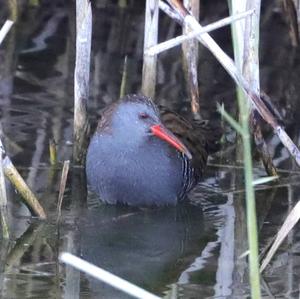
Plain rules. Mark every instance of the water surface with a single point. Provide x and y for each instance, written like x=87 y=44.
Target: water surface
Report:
x=189 y=251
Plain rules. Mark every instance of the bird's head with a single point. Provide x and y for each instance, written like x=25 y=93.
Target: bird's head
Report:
x=137 y=117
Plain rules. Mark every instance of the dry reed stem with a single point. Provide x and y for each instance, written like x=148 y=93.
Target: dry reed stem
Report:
x=246 y=41
x=173 y=42
x=3 y=196
x=169 y=11
x=291 y=18
x=62 y=188
x=81 y=77
x=16 y=253
x=150 y=39
x=190 y=60
x=230 y=67
x=28 y=197
x=5 y=29
x=251 y=73
x=105 y=276
x=52 y=152
x=287 y=226
x=13 y=6
x=123 y=86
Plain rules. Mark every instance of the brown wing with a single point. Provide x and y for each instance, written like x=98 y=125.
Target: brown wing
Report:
x=191 y=134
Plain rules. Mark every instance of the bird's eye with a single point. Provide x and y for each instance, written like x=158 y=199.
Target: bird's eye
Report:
x=143 y=115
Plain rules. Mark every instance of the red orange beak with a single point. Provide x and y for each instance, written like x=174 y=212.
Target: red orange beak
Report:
x=166 y=135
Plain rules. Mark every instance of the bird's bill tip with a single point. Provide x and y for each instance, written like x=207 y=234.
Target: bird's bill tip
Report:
x=166 y=135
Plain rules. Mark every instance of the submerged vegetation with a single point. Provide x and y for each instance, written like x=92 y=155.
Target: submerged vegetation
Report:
x=253 y=119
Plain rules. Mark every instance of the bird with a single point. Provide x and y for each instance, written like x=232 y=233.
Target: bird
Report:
x=145 y=155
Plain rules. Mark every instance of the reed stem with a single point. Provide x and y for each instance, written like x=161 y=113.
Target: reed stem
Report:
x=190 y=55
x=27 y=195
x=52 y=152
x=246 y=40
x=81 y=77
x=3 y=197
x=176 y=41
x=123 y=86
x=62 y=187
x=239 y=79
x=150 y=39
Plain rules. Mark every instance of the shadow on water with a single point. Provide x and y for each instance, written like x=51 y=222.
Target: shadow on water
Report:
x=194 y=250
x=147 y=247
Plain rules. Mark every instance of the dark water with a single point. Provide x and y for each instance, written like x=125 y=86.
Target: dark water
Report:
x=190 y=251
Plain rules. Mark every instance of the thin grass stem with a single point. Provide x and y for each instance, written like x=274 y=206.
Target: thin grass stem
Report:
x=124 y=79
x=236 y=126
x=52 y=152
x=245 y=40
x=62 y=188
